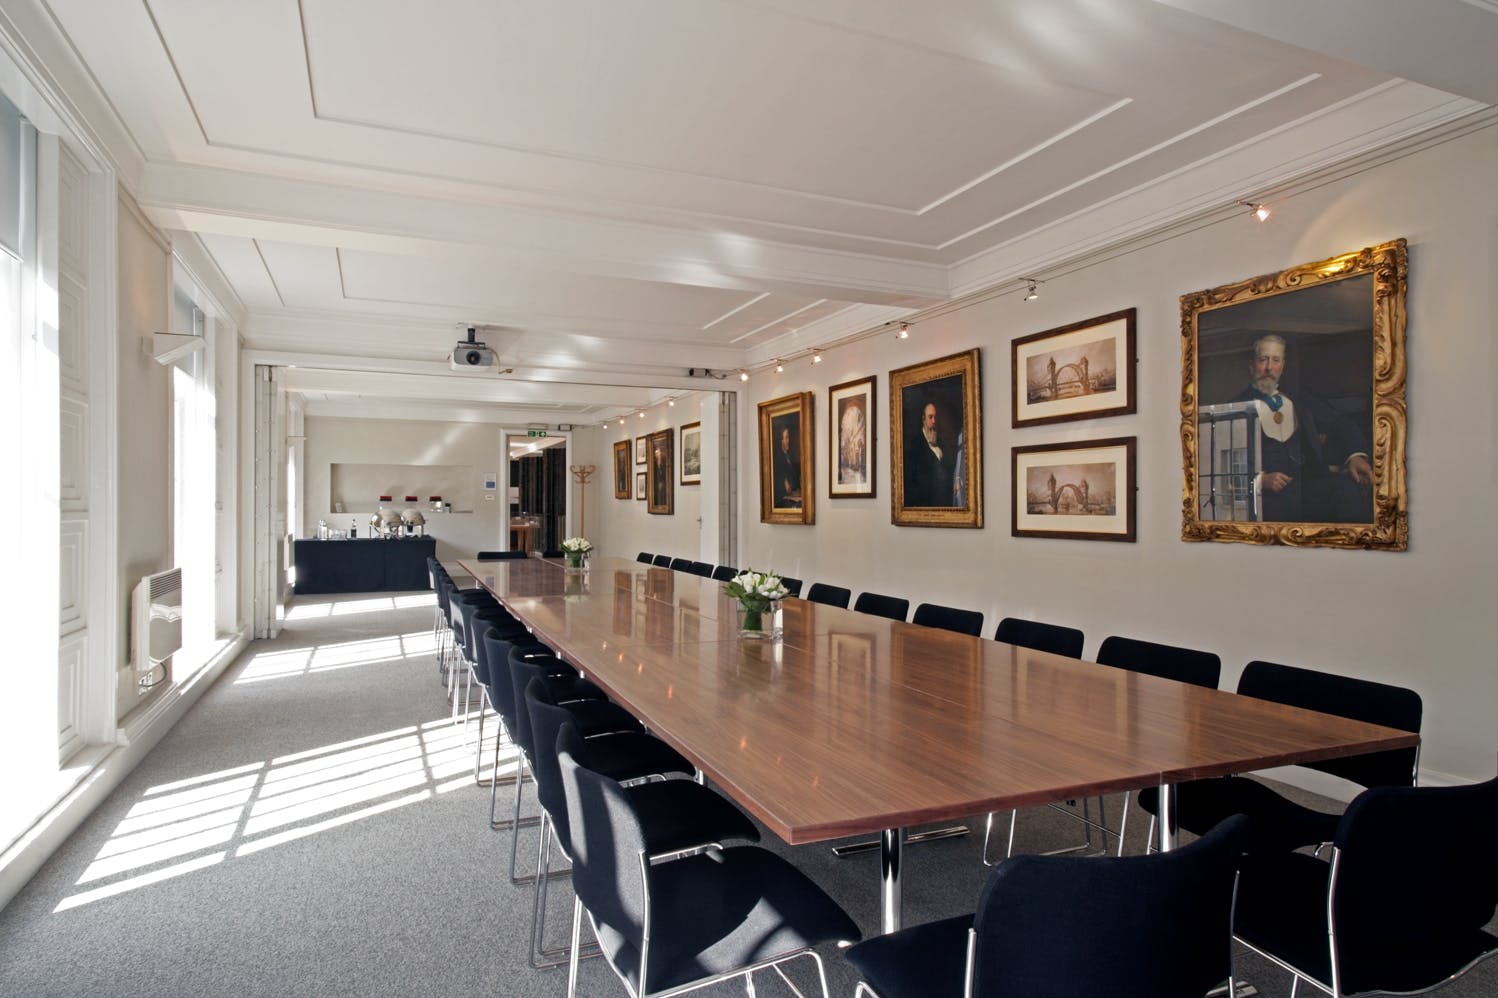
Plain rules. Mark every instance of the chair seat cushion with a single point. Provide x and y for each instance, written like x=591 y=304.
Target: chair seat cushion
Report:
x=684 y=814
x=1277 y=824
x=928 y=960
x=724 y=910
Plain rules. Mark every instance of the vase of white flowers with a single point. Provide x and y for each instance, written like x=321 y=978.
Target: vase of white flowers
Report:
x=575 y=549
x=758 y=595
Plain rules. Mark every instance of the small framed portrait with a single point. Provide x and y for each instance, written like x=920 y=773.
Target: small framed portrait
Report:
x=1293 y=408
x=936 y=443
x=1078 y=371
x=621 y=469
x=640 y=492
x=691 y=454
x=640 y=446
x=850 y=469
x=660 y=472
x=1082 y=490
x=787 y=490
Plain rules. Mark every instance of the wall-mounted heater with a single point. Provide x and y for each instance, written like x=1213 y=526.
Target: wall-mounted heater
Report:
x=155 y=626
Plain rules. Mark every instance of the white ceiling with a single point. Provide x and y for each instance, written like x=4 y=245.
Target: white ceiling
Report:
x=615 y=192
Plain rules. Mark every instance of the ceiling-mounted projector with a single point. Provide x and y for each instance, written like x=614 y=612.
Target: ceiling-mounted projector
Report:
x=472 y=355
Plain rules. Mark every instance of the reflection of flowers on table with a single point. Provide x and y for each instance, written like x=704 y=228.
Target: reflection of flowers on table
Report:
x=757 y=593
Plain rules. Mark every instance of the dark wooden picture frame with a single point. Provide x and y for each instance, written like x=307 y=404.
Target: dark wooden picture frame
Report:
x=1081 y=490
x=621 y=469
x=1084 y=370
x=660 y=471
x=852 y=435
x=1293 y=418
x=787 y=469
x=938 y=485
x=640 y=486
x=691 y=453
x=640 y=445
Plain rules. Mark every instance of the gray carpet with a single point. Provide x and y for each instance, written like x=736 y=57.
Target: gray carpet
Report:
x=312 y=828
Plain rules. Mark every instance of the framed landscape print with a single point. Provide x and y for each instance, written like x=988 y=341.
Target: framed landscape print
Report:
x=640 y=485
x=1081 y=491
x=1292 y=405
x=1079 y=371
x=621 y=470
x=787 y=489
x=691 y=454
x=660 y=480
x=850 y=467
x=936 y=443
x=640 y=450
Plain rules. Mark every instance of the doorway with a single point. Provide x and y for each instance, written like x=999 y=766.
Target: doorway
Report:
x=537 y=474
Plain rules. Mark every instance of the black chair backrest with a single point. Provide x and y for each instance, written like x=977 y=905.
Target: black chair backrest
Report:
x=644 y=557
x=1186 y=665
x=501 y=685
x=663 y=561
x=827 y=595
x=725 y=573
x=879 y=605
x=523 y=669
x=1359 y=699
x=792 y=586
x=1036 y=634
x=949 y=618
x=500 y=555
x=606 y=842
x=1403 y=894
x=681 y=564
x=701 y=568
x=546 y=721
x=1156 y=926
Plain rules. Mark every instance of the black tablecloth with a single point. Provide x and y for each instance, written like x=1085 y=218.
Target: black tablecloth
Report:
x=362 y=565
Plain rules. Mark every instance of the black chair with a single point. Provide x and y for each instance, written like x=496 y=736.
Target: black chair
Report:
x=677 y=815
x=690 y=922
x=644 y=557
x=500 y=688
x=556 y=553
x=827 y=595
x=1059 y=926
x=792 y=586
x=1040 y=636
x=1280 y=824
x=681 y=564
x=501 y=556
x=878 y=605
x=949 y=618
x=1397 y=910
x=663 y=561
x=701 y=568
x=725 y=573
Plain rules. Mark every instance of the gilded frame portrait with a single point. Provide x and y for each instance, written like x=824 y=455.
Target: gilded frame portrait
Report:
x=940 y=484
x=660 y=472
x=691 y=453
x=852 y=436
x=621 y=469
x=1293 y=418
x=787 y=466
x=1084 y=370
x=1081 y=490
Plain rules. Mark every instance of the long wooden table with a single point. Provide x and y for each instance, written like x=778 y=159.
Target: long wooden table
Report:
x=853 y=724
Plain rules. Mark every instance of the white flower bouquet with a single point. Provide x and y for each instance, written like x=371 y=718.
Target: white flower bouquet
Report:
x=575 y=548
x=757 y=593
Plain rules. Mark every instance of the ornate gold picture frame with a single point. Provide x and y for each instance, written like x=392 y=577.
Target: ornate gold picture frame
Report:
x=660 y=472
x=1293 y=415
x=787 y=471
x=621 y=469
x=936 y=443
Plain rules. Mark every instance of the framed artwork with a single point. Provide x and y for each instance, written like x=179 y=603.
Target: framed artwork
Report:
x=660 y=483
x=691 y=454
x=1292 y=405
x=621 y=469
x=936 y=443
x=1079 y=371
x=640 y=485
x=787 y=489
x=850 y=410
x=1082 y=490
x=640 y=443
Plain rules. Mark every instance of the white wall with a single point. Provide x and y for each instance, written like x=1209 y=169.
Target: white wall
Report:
x=1423 y=618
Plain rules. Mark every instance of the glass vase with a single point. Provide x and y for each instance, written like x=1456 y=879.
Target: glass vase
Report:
x=761 y=624
x=574 y=561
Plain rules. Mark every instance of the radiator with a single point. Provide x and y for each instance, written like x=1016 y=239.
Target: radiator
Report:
x=156 y=626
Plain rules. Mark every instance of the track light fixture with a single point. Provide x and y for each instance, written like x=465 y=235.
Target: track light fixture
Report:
x=904 y=333
x=1031 y=286
x=671 y=403
x=641 y=413
x=1258 y=209
x=779 y=366
x=743 y=375
x=816 y=357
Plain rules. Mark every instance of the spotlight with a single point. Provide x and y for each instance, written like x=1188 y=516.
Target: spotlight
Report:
x=1258 y=209
x=671 y=403
x=779 y=366
x=904 y=333
x=1031 y=286
x=816 y=357
x=641 y=414
x=743 y=375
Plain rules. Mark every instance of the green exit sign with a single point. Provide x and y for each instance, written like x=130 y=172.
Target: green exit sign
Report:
x=535 y=433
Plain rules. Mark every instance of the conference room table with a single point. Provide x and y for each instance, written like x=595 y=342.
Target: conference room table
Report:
x=851 y=724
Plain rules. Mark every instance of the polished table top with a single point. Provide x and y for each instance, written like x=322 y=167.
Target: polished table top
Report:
x=854 y=724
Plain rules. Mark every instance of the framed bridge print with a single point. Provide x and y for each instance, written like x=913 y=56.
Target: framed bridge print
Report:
x=1080 y=491
x=1080 y=371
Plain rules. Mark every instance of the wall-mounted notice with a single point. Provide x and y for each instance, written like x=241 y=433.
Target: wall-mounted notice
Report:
x=491 y=481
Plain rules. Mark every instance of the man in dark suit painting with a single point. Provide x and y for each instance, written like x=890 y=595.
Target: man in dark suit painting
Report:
x=930 y=462
x=787 y=471
x=1315 y=460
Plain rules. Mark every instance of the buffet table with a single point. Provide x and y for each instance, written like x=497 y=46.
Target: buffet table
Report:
x=362 y=565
